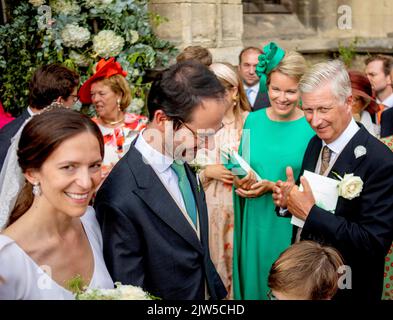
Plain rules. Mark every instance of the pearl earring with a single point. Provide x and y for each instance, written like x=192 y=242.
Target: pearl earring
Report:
x=37 y=189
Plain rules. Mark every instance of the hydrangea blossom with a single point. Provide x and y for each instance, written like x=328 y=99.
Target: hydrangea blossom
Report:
x=37 y=3
x=97 y=3
x=79 y=59
x=74 y=36
x=133 y=35
x=107 y=44
x=70 y=8
x=136 y=106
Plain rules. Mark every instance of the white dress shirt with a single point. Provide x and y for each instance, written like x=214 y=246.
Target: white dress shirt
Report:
x=388 y=102
x=252 y=96
x=161 y=164
x=339 y=144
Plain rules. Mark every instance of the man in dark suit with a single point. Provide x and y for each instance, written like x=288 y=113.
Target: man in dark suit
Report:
x=387 y=123
x=248 y=60
x=151 y=207
x=49 y=83
x=361 y=228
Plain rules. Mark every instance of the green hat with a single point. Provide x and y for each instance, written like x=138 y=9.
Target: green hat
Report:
x=268 y=60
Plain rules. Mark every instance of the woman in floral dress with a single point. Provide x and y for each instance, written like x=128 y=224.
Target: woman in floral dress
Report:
x=217 y=180
x=109 y=91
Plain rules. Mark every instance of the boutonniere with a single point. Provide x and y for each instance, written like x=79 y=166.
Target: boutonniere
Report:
x=196 y=168
x=197 y=165
x=350 y=186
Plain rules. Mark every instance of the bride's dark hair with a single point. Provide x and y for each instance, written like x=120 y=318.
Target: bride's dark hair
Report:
x=41 y=136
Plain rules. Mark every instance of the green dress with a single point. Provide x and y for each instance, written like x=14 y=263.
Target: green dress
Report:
x=260 y=235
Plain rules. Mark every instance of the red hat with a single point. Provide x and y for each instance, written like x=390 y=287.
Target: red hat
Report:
x=104 y=69
x=361 y=87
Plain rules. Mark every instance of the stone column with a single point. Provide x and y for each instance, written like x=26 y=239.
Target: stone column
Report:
x=214 y=24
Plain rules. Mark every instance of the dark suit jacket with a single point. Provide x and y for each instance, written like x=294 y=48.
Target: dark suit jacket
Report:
x=387 y=123
x=261 y=101
x=147 y=240
x=8 y=131
x=362 y=228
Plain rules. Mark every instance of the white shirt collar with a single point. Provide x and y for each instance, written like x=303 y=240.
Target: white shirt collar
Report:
x=339 y=144
x=31 y=113
x=388 y=102
x=254 y=88
x=156 y=159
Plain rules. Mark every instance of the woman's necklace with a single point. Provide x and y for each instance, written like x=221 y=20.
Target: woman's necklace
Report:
x=111 y=123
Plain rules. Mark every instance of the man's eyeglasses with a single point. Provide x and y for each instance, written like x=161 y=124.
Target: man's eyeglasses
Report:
x=271 y=296
x=202 y=133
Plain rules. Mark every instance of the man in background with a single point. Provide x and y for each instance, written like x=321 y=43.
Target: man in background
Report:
x=248 y=60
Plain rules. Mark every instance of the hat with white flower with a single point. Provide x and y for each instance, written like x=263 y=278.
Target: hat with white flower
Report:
x=105 y=69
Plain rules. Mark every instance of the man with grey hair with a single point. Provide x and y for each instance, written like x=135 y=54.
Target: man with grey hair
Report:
x=361 y=228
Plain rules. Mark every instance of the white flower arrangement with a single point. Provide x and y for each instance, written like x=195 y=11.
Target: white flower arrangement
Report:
x=74 y=36
x=107 y=44
x=79 y=59
x=97 y=3
x=68 y=8
x=136 y=106
x=350 y=186
x=37 y=3
x=121 y=292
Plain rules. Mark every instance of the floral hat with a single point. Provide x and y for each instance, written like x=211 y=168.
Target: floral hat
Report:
x=268 y=60
x=104 y=69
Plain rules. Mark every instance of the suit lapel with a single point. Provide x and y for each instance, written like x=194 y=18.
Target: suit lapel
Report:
x=347 y=161
x=311 y=159
x=155 y=195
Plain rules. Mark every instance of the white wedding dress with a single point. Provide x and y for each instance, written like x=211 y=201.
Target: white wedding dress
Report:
x=22 y=279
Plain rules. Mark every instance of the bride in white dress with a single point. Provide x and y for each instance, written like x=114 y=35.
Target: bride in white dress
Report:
x=51 y=234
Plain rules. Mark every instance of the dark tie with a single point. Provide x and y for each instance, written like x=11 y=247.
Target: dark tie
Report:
x=326 y=154
x=186 y=191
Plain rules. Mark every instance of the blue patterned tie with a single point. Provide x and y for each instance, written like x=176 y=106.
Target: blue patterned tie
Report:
x=186 y=191
x=248 y=93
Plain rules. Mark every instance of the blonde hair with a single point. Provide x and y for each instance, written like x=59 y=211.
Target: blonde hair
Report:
x=306 y=269
x=292 y=65
x=118 y=85
x=229 y=78
x=331 y=72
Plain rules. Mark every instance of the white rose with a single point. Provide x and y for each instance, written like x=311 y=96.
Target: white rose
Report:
x=350 y=186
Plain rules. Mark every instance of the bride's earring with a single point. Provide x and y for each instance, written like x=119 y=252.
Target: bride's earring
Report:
x=37 y=189
x=118 y=103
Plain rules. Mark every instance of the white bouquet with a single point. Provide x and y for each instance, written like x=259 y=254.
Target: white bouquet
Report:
x=121 y=292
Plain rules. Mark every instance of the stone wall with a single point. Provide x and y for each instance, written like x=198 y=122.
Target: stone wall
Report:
x=215 y=24
x=315 y=27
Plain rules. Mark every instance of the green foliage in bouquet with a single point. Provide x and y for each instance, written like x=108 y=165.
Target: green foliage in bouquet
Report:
x=121 y=292
x=77 y=33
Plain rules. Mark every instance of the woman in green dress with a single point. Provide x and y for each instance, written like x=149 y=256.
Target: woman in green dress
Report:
x=272 y=139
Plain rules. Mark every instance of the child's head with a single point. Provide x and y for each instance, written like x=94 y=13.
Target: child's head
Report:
x=305 y=271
